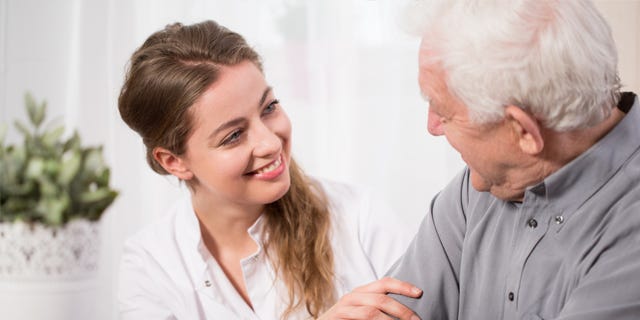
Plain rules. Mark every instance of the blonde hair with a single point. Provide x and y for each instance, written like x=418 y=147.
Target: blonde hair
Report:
x=299 y=227
x=166 y=76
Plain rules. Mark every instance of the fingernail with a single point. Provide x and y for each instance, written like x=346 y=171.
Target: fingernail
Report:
x=416 y=291
x=414 y=317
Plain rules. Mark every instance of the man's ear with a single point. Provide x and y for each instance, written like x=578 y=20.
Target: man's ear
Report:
x=526 y=129
x=172 y=163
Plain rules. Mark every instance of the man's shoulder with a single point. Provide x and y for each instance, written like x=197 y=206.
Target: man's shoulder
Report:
x=460 y=196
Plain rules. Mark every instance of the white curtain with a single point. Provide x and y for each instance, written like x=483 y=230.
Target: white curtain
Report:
x=343 y=70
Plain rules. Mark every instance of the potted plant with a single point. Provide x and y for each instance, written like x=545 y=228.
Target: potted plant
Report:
x=53 y=192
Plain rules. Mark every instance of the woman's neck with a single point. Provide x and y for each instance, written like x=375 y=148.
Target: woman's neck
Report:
x=225 y=223
x=224 y=231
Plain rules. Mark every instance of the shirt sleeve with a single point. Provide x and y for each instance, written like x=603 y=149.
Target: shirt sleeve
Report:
x=432 y=260
x=138 y=296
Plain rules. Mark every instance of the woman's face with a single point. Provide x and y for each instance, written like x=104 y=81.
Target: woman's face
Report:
x=239 y=149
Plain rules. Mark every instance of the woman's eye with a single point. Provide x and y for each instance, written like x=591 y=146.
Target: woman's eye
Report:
x=271 y=107
x=233 y=137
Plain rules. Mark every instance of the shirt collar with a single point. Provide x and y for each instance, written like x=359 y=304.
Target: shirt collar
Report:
x=572 y=185
x=189 y=240
x=192 y=248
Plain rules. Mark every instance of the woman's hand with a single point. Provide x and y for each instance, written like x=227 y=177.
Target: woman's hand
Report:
x=372 y=302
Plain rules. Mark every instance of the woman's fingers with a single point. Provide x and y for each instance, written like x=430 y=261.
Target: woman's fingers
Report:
x=378 y=303
x=372 y=302
x=391 y=285
x=361 y=312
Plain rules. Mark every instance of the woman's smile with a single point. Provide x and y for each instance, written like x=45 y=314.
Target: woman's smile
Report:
x=271 y=170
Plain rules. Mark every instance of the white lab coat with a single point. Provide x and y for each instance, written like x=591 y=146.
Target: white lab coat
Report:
x=167 y=273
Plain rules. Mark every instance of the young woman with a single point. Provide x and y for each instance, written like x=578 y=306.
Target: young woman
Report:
x=256 y=238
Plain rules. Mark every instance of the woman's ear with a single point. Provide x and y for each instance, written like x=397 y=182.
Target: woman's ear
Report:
x=526 y=129
x=172 y=163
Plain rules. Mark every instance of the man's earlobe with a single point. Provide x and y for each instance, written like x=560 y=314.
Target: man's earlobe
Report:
x=172 y=163
x=527 y=130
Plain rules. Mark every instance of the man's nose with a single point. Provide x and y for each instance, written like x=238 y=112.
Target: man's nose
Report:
x=434 y=124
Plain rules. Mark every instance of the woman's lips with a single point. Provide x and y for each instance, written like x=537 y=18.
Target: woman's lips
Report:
x=271 y=171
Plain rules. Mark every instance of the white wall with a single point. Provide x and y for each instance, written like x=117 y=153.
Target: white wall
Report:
x=345 y=74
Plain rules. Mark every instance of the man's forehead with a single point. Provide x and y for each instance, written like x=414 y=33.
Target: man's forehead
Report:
x=431 y=83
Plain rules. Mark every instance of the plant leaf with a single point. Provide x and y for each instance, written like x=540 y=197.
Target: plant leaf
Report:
x=73 y=142
x=20 y=190
x=47 y=179
x=40 y=113
x=52 y=209
x=96 y=202
x=3 y=133
x=17 y=206
x=93 y=160
x=22 y=128
x=36 y=112
x=48 y=188
x=31 y=105
x=13 y=164
x=52 y=166
x=102 y=178
x=35 y=167
x=72 y=160
x=51 y=137
x=98 y=195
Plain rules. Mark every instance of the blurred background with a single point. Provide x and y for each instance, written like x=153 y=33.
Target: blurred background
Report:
x=343 y=69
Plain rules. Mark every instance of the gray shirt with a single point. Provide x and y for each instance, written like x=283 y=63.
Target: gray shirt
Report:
x=570 y=250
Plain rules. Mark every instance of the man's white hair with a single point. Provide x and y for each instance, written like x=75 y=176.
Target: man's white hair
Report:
x=554 y=58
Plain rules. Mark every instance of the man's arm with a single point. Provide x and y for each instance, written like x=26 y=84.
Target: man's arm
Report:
x=432 y=261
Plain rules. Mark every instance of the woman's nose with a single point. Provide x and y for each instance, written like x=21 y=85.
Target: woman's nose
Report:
x=434 y=124
x=266 y=141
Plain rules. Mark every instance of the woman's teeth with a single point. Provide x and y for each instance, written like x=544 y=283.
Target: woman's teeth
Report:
x=270 y=168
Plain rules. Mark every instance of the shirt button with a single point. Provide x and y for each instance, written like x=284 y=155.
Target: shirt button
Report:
x=559 y=219
x=207 y=283
x=532 y=223
x=511 y=296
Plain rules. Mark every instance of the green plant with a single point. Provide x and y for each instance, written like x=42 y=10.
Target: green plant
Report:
x=48 y=179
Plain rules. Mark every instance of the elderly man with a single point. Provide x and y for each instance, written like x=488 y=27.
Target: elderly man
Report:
x=544 y=223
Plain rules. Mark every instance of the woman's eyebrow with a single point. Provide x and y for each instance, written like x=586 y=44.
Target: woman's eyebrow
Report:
x=264 y=96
